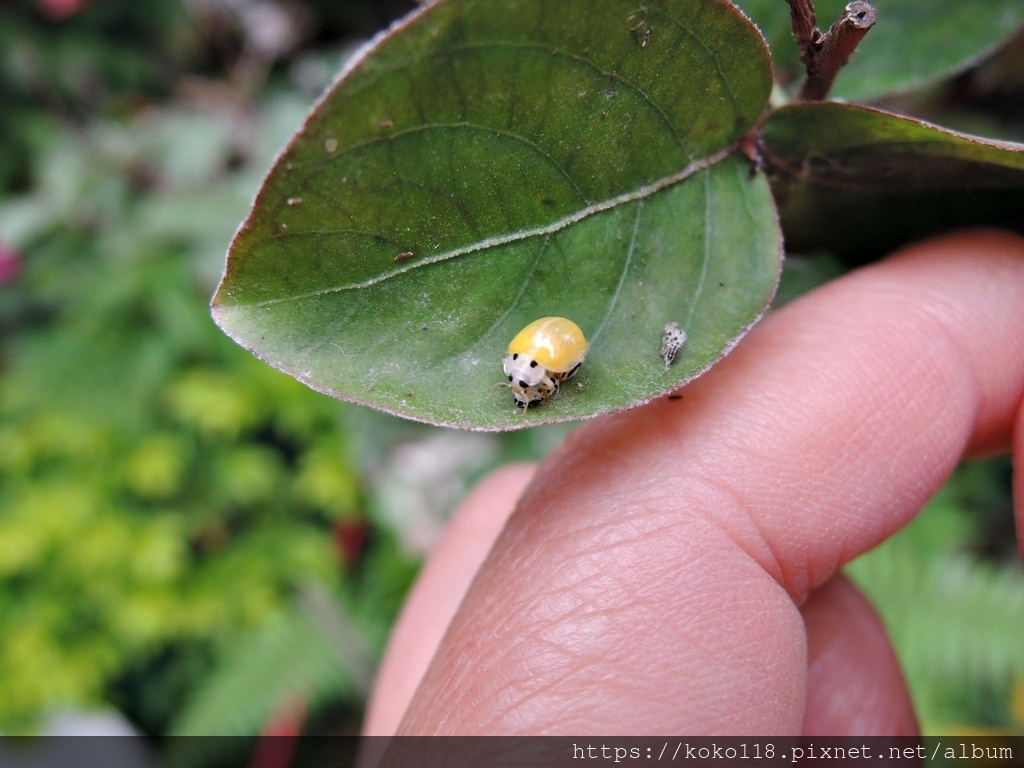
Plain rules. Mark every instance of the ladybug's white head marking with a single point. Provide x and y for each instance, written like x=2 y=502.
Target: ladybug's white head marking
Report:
x=523 y=371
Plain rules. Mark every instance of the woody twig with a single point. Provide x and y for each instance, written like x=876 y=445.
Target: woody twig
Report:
x=824 y=54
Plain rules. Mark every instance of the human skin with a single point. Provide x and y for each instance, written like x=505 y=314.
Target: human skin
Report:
x=675 y=569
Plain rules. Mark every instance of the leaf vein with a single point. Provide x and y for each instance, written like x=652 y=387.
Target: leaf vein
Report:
x=539 y=151
x=523 y=287
x=622 y=275
x=699 y=287
x=593 y=65
x=628 y=197
x=713 y=55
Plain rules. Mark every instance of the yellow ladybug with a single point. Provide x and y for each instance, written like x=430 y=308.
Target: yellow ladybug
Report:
x=543 y=354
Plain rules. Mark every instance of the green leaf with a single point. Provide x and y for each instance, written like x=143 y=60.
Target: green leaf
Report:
x=489 y=162
x=913 y=42
x=859 y=181
x=853 y=146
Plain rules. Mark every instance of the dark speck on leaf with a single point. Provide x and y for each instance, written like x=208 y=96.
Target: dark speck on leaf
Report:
x=404 y=255
x=640 y=31
x=548 y=201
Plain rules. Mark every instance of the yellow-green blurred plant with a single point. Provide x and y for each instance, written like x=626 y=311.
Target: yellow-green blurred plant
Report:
x=956 y=615
x=162 y=493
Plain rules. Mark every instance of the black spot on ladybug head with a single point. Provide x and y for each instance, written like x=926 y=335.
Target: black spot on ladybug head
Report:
x=533 y=363
x=523 y=384
x=515 y=356
x=510 y=378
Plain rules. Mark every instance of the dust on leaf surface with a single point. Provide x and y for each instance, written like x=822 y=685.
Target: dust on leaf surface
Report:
x=489 y=162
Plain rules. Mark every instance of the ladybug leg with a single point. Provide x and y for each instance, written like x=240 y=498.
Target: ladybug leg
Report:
x=572 y=371
x=527 y=396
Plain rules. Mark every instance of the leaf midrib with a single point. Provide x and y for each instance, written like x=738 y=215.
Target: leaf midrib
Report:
x=640 y=193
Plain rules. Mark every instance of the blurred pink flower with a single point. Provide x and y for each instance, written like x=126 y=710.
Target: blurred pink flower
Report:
x=10 y=264
x=60 y=9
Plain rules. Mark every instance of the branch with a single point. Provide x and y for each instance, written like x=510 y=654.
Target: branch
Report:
x=824 y=55
x=805 y=30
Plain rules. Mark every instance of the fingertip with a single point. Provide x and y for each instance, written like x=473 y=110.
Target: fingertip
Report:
x=963 y=242
x=854 y=683
x=438 y=591
x=1018 y=475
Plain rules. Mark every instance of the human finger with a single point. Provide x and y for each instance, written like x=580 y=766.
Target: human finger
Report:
x=854 y=683
x=649 y=579
x=1018 y=481
x=438 y=590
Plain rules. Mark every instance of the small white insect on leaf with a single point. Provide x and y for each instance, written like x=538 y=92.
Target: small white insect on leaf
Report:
x=671 y=343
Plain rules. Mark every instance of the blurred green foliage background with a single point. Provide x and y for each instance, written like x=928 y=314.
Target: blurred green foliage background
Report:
x=201 y=542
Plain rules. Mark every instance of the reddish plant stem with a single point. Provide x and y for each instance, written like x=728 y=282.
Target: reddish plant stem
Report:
x=805 y=30
x=823 y=55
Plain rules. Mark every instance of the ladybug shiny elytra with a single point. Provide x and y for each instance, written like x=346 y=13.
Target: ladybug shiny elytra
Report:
x=543 y=354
